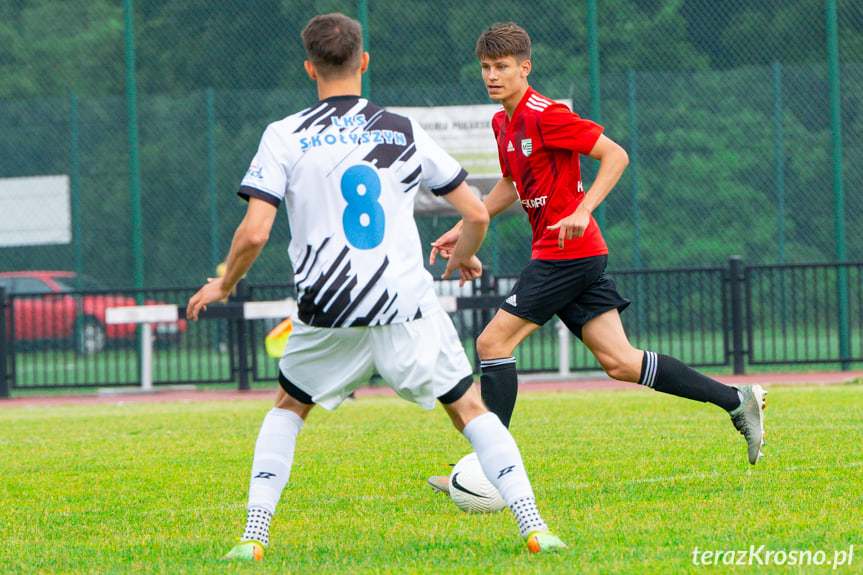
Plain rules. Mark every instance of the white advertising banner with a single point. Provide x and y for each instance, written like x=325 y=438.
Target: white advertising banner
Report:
x=35 y=211
x=463 y=131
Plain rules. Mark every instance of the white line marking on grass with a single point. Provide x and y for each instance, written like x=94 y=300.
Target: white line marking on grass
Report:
x=804 y=467
x=686 y=477
x=710 y=475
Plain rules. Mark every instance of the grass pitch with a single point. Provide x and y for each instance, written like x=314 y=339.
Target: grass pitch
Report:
x=634 y=481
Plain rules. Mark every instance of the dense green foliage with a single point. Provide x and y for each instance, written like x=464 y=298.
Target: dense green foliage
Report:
x=58 y=47
x=724 y=108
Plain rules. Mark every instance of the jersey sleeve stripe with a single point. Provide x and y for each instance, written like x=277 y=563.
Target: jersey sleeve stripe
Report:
x=247 y=192
x=454 y=183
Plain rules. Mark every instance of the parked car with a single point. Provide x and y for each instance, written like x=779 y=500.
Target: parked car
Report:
x=62 y=306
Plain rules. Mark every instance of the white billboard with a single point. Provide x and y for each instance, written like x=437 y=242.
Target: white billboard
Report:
x=35 y=211
x=463 y=131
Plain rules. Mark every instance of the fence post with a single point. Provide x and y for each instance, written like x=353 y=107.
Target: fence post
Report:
x=562 y=349
x=735 y=276
x=486 y=287
x=242 y=339
x=595 y=86
x=4 y=382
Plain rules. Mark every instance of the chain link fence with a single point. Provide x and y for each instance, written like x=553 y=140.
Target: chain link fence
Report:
x=742 y=120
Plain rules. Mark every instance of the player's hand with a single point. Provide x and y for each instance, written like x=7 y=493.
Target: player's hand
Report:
x=572 y=226
x=468 y=270
x=212 y=292
x=445 y=244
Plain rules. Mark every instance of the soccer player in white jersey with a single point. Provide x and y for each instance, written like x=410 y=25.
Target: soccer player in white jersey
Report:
x=348 y=172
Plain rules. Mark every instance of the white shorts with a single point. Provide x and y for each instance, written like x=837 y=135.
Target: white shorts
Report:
x=420 y=360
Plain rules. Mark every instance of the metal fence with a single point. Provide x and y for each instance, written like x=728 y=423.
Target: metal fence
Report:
x=723 y=317
x=828 y=296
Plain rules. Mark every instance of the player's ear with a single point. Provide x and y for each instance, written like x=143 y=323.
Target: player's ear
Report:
x=310 y=70
x=364 y=63
x=525 y=68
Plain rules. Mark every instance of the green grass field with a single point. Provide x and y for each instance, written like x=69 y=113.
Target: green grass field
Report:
x=634 y=481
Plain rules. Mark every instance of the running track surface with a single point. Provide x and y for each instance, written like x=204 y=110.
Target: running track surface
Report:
x=528 y=383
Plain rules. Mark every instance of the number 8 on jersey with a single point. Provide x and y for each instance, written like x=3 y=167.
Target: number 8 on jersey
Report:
x=363 y=219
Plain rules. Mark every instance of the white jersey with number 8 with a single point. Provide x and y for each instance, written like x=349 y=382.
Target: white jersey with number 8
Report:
x=348 y=172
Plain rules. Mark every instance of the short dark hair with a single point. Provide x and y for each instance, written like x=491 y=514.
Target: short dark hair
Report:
x=501 y=40
x=334 y=43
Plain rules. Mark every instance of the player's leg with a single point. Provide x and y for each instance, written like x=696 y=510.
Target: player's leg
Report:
x=594 y=316
x=544 y=288
x=271 y=468
x=605 y=337
x=501 y=462
x=309 y=375
x=423 y=360
x=495 y=346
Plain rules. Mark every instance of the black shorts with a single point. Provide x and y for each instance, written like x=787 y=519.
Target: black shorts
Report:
x=575 y=290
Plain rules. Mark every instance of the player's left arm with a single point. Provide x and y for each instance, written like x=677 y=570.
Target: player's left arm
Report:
x=474 y=225
x=502 y=195
x=249 y=239
x=613 y=159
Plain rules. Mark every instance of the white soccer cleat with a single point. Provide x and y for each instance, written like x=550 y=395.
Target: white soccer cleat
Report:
x=439 y=483
x=748 y=419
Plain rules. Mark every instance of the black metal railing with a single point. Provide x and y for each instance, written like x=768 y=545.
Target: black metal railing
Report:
x=708 y=317
x=804 y=314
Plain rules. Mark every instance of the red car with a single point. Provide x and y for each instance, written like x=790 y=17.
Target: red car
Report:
x=45 y=310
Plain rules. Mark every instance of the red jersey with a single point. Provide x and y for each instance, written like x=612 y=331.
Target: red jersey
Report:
x=538 y=148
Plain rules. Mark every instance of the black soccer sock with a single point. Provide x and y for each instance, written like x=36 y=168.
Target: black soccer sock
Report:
x=499 y=386
x=669 y=375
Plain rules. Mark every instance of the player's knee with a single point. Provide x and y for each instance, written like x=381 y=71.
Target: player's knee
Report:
x=621 y=367
x=465 y=408
x=462 y=413
x=613 y=370
x=488 y=347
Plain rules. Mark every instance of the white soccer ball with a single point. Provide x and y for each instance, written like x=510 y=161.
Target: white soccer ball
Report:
x=470 y=489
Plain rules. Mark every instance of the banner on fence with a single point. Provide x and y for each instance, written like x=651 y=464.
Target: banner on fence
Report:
x=35 y=211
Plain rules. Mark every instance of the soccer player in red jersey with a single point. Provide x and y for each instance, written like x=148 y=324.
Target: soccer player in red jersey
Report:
x=539 y=143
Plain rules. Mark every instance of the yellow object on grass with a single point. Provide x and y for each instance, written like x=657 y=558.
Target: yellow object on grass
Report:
x=277 y=339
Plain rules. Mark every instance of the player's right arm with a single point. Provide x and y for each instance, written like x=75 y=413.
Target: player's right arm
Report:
x=502 y=196
x=474 y=224
x=613 y=159
x=249 y=239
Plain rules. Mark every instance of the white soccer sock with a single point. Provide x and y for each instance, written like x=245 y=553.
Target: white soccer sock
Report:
x=271 y=469
x=501 y=462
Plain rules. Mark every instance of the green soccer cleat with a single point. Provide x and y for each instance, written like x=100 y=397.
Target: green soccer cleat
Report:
x=245 y=551
x=749 y=419
x=544 y=542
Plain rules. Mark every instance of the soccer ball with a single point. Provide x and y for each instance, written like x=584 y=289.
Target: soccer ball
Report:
x=470 y=490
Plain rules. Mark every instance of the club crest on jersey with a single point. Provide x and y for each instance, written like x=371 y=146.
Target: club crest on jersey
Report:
x=255 y=172
x=526 y=147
